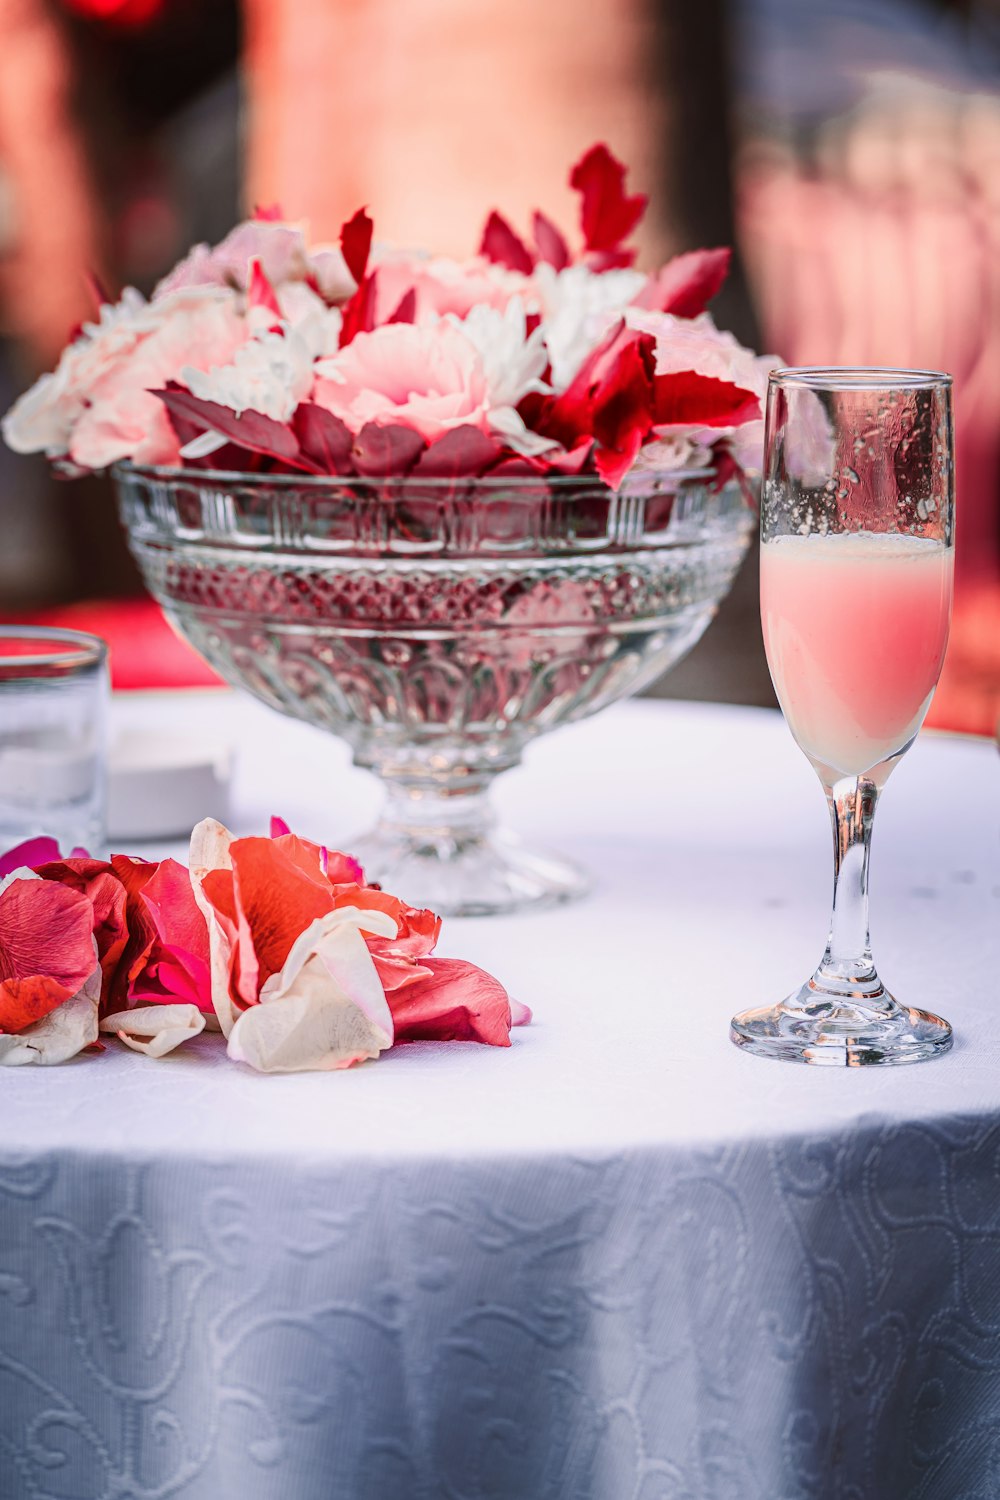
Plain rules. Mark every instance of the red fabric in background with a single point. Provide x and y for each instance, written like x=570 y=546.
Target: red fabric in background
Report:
x=145 y=651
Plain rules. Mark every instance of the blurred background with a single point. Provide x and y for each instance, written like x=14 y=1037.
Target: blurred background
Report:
x=848 y=149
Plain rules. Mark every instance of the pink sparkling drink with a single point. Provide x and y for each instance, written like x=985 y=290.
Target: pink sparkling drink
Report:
x=857 y=522
x=855 y=629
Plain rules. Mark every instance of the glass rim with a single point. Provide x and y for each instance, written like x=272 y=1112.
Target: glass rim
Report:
x=857 y=378
x=527 y=484
x=86 y=650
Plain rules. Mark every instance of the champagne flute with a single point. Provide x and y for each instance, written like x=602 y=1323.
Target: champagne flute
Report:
x=857 y=554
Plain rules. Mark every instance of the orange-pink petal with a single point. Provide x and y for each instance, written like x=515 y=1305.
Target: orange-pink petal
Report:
x=458 y=1002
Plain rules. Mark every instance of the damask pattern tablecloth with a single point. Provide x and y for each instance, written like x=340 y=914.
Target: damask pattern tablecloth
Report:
x=621 y=1261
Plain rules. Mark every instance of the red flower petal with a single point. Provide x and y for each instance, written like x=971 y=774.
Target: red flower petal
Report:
x=418 y=929
x=324 y=439
x=46 y=949
x=549 y=241
x=356 y=243
x=386 y=451
x=614 y=463
x=406 y=308
x=341 y=869
x=610 y=399
x=686 y=285
x=457 y=1002
x=461 y=452
x=275 y=900
x=249 y=429
x=501 y=245
x=359 y=311
x=607 y=215
x=24 y=1001
x=687 y=399
x=178 y=966
x=260 y=292
x=268 y=213
x=134 y=875
x=108 y=897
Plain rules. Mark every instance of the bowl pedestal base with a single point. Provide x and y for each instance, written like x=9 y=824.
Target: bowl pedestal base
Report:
x=442 y=849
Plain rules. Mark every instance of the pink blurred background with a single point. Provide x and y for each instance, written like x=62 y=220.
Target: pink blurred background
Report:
x=849 y=149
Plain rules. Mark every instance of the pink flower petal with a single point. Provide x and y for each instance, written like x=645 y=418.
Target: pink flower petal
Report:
x=178 y=967
x=458 y=1002
x=29 y=854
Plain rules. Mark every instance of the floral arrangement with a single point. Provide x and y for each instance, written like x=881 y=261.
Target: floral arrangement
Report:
x=359 y=359
x=277 y=942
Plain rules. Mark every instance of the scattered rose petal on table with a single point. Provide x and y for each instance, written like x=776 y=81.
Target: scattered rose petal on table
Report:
x=210 y=844
x=47 y=948
x=155 y=1029
x=326 y=1009
x=452 y=1001
x=178 y=966
x=61 y=1034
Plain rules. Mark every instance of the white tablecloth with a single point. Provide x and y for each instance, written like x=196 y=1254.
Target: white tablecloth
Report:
x=620 y=1261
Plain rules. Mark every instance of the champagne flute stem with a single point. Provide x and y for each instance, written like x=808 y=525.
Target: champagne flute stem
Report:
x=847 y=968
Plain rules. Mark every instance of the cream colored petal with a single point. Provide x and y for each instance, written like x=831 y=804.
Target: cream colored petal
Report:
x=210 y=843
x=317 y=1027
x=330 y=1013
x=155 y=1029
x=309 y=940
x=61 y=1034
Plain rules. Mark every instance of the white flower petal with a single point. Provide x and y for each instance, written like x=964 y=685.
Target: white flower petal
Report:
x=209 y=850
x=204 y=444
x=155 y=1029
x=514 y=361
x=316 y=1027
x=271 y=374
x=328 y=1008
x=579 y=307
x=506 y=423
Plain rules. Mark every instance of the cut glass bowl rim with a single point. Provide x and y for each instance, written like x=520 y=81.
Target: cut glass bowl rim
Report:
x=650 y=481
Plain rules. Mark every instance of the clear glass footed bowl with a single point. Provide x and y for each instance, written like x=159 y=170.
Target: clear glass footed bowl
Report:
x=438 y=626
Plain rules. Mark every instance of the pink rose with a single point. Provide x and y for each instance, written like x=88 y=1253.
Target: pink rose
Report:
x=195 y=329
x=429 y=378
x=45 y=416
x=280 y=249
x=441 y=286
x=96 y=407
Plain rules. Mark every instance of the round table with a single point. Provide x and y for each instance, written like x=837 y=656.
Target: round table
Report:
x=618 y=1261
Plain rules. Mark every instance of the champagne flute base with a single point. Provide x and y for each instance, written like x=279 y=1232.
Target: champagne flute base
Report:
x=841 y=1032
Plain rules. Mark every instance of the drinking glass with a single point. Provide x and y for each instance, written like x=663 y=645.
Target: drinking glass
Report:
x=857 y=552
x=54 y=693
